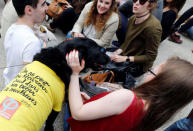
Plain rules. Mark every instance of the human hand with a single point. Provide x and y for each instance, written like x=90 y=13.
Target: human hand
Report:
x=118 y=58
x=73 y=61
x=118 y=52
x=84 y=96
x=76 y=34
x=44 y=44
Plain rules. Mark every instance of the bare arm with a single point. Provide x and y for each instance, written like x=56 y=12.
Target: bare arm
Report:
x=113 y=103
x=119 y=58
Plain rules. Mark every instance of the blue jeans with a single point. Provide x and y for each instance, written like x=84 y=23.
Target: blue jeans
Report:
x=185 y=124
x=69 y=36
x=66 y=116
x=190 y=32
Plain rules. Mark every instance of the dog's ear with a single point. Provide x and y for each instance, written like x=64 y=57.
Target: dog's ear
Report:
x=77 y=44
x=83 y=53
x=82 y=50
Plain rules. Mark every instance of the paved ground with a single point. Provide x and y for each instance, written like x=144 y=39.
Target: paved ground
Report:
x=166 y=50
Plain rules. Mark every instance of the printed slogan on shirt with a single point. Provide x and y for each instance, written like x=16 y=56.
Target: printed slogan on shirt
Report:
x=27 y=84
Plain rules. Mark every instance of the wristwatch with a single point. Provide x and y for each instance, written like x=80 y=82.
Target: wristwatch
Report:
x=128 y=60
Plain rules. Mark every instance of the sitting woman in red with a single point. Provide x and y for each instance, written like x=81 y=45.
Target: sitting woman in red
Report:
x=144 y=108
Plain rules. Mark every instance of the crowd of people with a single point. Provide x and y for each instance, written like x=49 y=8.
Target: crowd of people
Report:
x=132 y=31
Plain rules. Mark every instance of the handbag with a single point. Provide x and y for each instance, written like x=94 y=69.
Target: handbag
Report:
x=116 y=66
x=122 y=73
x=56 y=8
x=100 y=76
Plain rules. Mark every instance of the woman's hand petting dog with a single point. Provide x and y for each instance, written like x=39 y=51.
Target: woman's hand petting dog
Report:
x=76 y=34
x=118 y=52
x=119 y=58
x=73 y=62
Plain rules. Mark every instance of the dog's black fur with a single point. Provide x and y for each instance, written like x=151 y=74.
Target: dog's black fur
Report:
x=55 y=58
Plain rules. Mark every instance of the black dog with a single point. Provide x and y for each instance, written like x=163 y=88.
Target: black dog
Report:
x=52 y=62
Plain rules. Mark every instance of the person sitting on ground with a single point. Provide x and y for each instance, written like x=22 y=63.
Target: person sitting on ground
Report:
x=67 y=19
x=21 y=43
x=126 y=12
x=170 y=13
x=187 y=27
x=126 y=9
x=142 y=38
x=144 y=108
x=98 y=21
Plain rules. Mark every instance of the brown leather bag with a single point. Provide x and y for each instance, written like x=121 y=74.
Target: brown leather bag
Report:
x=56 y=8
x=101 y=76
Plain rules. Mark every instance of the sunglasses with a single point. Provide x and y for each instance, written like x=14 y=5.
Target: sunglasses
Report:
x=142 y=2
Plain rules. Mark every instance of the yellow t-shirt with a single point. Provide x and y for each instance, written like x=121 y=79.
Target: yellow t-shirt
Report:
x=29 y=98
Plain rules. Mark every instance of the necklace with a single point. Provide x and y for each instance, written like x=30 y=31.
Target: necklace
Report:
x=142 y=15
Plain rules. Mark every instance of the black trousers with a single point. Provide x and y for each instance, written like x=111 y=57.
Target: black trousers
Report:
x=183 y=18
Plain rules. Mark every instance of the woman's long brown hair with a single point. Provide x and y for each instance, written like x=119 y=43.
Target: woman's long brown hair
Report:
x=99 y=22
x=169 y=91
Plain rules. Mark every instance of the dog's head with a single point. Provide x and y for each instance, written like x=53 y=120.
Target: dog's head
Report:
x=43 y=33
x=93 y=54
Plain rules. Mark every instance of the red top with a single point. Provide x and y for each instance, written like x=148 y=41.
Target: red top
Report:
x=125 y=121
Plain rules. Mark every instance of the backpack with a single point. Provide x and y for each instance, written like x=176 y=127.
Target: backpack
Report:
x=56 y=8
